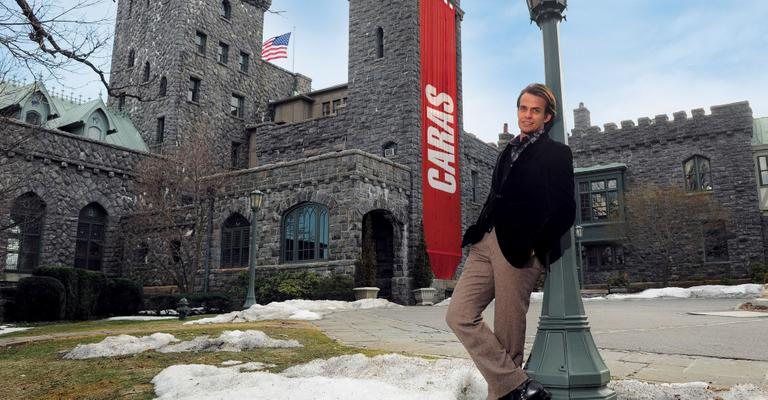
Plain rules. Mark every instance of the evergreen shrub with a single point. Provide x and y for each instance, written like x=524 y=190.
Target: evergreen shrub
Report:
x=40 y=298
x=82 y=289
x=120 y=297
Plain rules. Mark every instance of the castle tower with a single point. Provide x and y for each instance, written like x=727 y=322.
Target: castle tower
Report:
x=385 y=87
x=581 y=119
x=197 y=67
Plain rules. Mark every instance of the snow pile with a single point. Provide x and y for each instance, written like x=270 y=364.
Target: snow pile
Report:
x=138 y=318
x=636 y=390
x=229 y=341
x=307 y=310
x=708 y=292
x=162 y=342
x=120 y=345
x=9 y=329
x=386 y=377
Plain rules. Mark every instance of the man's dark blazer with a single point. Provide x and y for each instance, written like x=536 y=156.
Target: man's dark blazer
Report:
x=533 y=207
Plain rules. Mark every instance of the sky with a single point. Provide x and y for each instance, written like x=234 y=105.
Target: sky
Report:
x=623 y=59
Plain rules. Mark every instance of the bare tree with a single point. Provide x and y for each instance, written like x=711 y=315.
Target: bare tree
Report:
x=664 y=224
x=168 y=229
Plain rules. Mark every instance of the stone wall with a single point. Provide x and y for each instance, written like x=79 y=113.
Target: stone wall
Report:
x=164 y=35
x=350 y=183
x=69 y=172
x=654 y=151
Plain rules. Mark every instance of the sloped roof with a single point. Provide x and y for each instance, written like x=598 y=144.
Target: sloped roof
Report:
x=120 y=130
x=599 y=168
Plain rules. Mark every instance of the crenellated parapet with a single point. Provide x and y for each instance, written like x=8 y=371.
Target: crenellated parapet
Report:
x=729 y=119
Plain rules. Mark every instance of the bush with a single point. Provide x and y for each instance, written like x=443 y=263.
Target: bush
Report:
x=212 y=302
x=336 y=287
x=40 y=298
x=422 y=270
x=81 y=287
x=759 y=272
x=121 y=296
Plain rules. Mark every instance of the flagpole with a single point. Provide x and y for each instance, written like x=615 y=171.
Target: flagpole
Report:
x=293 y=57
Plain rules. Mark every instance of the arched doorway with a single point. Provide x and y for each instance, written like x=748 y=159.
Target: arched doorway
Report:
x=383 y=223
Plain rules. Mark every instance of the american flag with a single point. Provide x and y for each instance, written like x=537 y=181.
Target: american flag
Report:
x=275 y=47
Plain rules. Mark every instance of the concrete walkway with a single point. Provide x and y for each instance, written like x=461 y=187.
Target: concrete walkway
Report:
x=422 y=330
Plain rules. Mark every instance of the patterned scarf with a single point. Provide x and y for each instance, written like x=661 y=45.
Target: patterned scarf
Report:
x=518 y=145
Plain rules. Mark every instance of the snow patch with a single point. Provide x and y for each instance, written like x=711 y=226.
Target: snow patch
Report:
x=4 y=329
x=308 y=310
x=162 y=342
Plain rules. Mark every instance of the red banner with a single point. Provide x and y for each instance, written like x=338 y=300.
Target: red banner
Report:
x=440 y=137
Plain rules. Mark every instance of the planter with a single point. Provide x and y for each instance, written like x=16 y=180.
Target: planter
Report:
x=366 y=292
x=424 y=296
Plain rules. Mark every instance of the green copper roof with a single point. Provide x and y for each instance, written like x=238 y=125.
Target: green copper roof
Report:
x=72 y=116
x=760 y=131
x=599 y=168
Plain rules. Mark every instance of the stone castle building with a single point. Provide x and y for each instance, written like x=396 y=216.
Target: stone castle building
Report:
x=327 y=159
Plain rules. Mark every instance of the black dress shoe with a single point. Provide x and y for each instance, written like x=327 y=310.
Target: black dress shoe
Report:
x=528 y=390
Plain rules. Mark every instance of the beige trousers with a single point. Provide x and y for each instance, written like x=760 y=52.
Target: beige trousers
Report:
x=498 y=354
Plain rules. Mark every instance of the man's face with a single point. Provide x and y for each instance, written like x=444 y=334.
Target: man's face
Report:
x=531 y=113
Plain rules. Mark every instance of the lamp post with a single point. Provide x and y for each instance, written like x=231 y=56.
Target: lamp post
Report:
x=564 y=357
x=256 y=198
x=578 y=230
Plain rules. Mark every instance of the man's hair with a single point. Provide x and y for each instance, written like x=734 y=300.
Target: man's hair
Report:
x=540 y=90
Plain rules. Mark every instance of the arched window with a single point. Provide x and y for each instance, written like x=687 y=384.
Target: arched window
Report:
x=305 y=233
x=145 y=77
x=379 y=42
x=33 y=117
x=23 y=244
x=235 y=236
x=163 y=87
x=97 y=125
x=131 y=58
x=698 y=175
x=225 y=10
x=89 y=244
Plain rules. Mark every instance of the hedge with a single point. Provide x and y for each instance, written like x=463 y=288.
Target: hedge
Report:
x=40 y=298
x=82 y=289
x=121 y=296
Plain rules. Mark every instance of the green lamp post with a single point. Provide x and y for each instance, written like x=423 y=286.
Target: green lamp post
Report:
x=564 y=357
x=256 y=198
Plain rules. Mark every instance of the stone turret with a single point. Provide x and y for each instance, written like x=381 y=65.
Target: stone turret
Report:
x=504 y=137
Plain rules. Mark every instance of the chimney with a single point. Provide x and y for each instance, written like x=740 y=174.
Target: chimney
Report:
x=504 y=137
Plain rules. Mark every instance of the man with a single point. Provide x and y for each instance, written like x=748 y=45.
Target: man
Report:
x=529 y=208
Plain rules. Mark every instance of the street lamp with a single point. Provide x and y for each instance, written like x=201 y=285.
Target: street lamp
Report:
x=256 y=198
x=564 y=357
x=578 y=230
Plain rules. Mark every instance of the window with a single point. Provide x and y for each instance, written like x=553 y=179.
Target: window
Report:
x=225 y=10
x=235 y=236
x=305 y=233
x=762 y=166
x=235 y=151
x=336 y=106
x=145 y=77
x=326 y=108
x=200 y=41
x=473 y=181
x=131 y=58
x=23 y=243
x=89 y=245
x=599 y=200
x=595 y=256
x=715 y=241
x=379 y=42
x=244 y=60
x=223 y=52
x=160 y=131
x=33 y=118
x=698 y=176
x=236 y=104
x=193 y=94
x=390 y=149
x=163 y=87
x=121 y=102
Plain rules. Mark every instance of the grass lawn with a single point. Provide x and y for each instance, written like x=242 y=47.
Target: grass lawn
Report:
x=36 y=370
